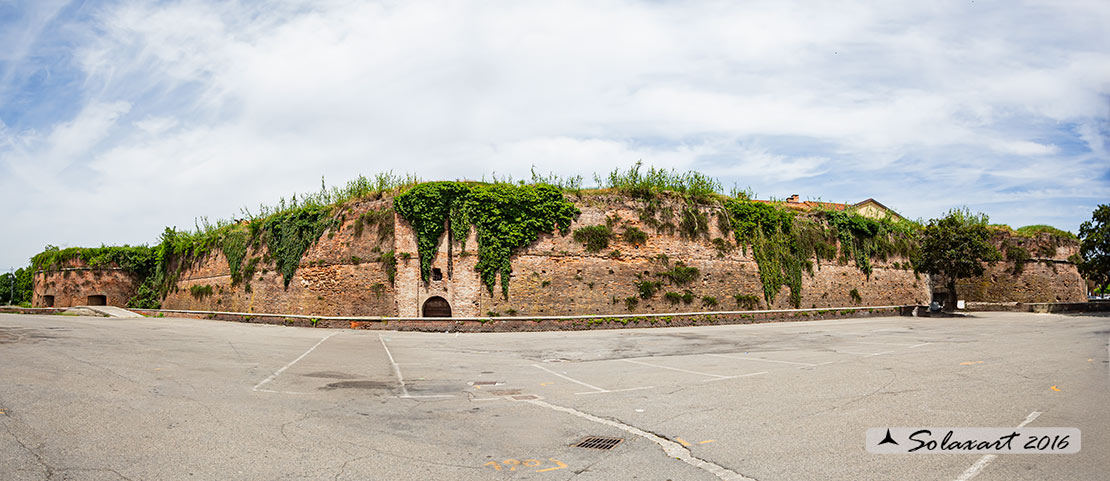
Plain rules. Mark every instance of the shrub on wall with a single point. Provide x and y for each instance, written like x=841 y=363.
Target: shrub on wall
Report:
x=634 y=236
x=854 y=294
x=593 y=237
x=1018 y=255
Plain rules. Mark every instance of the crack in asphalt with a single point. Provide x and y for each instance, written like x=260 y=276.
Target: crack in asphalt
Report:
x=47 y=468
x=893 y=377
x=671 y=448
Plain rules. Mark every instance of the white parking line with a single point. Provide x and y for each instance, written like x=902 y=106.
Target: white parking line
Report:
x=976 y=468
x=734 y=377
x=401 y=379
x=880 y=343
x=281 y=392
x=591 y=386
x=596 y=390
x=283 y=368
x=679 y=370
x=879 y=353
x=615 y=390
x=764 y=360
x=852 y=353
x=915 y=346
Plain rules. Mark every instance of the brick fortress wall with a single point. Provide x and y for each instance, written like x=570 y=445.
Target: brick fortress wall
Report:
x=343 y=274
x=72 y=285
x=554 y=276
x=1048 y=276
x=340 y=275
x=557 y=276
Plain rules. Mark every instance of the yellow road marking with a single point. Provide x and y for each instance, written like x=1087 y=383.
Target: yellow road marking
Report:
x=1054 y=388
x=968 y=363
x=556 y=461
x=546 y=383
x=682 y=442
x=707 y=441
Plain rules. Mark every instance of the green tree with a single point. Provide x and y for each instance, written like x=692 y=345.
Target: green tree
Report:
x=1094 y=247
x=956 y=246
x=19 y=285
x=7 y=286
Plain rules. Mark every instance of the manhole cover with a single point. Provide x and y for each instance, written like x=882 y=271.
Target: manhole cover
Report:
x=598 y=442
x=505 y=392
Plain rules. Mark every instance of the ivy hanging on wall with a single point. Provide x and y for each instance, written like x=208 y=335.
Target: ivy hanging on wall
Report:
x=784 y=244
x=506 y=217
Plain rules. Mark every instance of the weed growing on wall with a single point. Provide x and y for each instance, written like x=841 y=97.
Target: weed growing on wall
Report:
x=1018 y=255
x=680 y=274
x=694 y=223
x=200 y=292
x=389 y=263
x=634 y=236
x=648 y=288
x=691 y=185
x=593 y=237
x=746 y=301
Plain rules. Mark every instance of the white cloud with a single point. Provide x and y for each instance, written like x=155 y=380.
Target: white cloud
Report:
x=196 y=108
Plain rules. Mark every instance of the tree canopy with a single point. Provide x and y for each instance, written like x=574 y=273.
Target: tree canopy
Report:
x=956 y=246
x=1094 y=247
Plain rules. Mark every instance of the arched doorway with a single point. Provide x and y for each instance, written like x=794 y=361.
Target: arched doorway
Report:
x=437 y=307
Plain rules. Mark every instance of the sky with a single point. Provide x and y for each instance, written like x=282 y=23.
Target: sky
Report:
x=120 y=118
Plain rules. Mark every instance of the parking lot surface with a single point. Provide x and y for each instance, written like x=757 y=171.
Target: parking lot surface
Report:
x=164 y=398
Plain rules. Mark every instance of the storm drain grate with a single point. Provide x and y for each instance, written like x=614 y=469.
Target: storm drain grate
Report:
x=598 y=442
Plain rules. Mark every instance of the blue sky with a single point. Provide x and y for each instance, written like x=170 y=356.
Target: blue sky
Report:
x=118 y=118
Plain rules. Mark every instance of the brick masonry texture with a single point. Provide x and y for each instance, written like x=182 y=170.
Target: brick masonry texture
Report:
x=1047 y=277
x=72 y=286
x=339 y=275
x=342 y=274
x=554 y=276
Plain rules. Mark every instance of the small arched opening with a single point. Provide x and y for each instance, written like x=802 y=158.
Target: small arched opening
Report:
x=436 y=307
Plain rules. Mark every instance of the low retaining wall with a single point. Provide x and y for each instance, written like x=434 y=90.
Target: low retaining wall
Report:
x=541 y=323
x=30 y=310
x=1040 y=307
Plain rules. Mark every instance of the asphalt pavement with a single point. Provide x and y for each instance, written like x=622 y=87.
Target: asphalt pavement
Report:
x=165 y=398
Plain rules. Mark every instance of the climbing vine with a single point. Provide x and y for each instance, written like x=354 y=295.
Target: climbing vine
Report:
x=505 y=216
x=289 y=235
x=426 y=207
x=785 y=244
